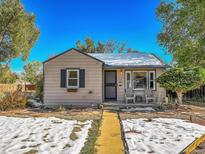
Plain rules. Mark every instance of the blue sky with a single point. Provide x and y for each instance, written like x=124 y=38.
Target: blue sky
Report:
x=63 y=22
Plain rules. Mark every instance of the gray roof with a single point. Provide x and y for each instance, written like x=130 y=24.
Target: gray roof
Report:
x=129 y=59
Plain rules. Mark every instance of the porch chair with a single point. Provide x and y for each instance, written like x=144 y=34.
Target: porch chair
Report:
x=129 y=95
x=150 y=95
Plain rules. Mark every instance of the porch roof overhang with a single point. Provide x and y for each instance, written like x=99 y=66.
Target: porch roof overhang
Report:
x=133 y=67
x=129 y=60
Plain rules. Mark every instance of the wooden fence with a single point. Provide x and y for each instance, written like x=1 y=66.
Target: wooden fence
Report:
x=199 y=93
x=13 y=87
x=196 y=94
x=8 y=87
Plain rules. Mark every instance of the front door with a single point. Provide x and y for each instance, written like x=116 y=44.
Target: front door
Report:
x=111 y=85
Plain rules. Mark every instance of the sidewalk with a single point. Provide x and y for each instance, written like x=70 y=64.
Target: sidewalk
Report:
x=110 y=141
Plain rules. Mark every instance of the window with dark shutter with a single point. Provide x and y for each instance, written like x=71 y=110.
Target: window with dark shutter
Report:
x=82 y=78
x=63 y=78
x=72 y=78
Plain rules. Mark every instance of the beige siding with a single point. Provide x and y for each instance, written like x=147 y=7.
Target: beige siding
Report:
x=55 y=95
x=120 y=85
x=160 y=90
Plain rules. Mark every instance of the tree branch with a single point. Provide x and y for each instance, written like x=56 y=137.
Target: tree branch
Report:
x=4 y=31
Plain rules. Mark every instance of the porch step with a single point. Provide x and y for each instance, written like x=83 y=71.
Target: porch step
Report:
x=111 y=108
x=139 y=109
x=122 y=105
x=130 y=107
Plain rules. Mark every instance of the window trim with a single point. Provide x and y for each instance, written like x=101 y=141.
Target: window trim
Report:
x=146 y=81
x=78 y=78
x=126 y=79
x=154 y=78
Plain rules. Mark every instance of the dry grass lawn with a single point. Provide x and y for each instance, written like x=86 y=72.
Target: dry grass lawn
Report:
x=68 y=114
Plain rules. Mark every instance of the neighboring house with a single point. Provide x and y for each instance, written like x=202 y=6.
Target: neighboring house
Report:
x=77 y=78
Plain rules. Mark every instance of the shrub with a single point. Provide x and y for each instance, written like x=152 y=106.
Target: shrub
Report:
x=13 y=100
x=2 y=95
x=181 y=80
x=169 y=106
x=34 y=75
x=60 y=109
x=39 y=87
x=6 y=75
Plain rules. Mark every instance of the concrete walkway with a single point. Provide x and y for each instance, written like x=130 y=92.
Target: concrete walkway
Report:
x=110 y=141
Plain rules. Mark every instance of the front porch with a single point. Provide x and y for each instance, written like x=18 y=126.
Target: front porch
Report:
x=132 y=87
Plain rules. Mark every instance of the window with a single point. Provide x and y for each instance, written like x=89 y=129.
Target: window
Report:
x=72 y=78
x=139 y=80
x=128 y=80
x=152 y=80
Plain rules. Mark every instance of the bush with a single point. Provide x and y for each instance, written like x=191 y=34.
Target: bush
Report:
x=6 y=75
x=169 y=106
x=60 y=109
x=13 y=100
x=182 y=80
x=39 y=87
x=2 y=95
x=34 y=75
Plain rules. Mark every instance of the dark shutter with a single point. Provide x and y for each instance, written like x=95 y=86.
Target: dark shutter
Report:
x=82 y=78
x=63 y=78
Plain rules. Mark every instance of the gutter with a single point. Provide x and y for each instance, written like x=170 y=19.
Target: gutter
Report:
x=138 y=66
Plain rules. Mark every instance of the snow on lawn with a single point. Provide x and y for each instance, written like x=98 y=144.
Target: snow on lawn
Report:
x=46 y=135
x=160 y=136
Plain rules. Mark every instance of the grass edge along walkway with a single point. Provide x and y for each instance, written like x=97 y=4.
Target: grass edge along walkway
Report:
x=110 y=139
x=191 y=147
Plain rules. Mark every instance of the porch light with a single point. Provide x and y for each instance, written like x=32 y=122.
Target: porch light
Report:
x=121 y=72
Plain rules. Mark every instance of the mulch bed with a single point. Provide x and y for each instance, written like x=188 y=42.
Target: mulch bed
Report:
x=69 y=114
x=191 y=113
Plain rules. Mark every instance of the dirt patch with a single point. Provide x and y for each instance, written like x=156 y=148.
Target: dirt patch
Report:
x=195 y=114
x=73 y=136
x=133 y=131
x=32 y=151
x=68 y=114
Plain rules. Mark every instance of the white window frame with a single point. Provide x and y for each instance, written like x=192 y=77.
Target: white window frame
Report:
x=67 y=78
x=146 y=77
x=126 y=72
x=154 y=77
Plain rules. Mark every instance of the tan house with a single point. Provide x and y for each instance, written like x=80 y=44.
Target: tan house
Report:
x=77 y=78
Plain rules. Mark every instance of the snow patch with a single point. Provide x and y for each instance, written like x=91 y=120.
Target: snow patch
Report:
x=128 y=59
x=160 y=135
x=46 y=135
x=34 y=103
